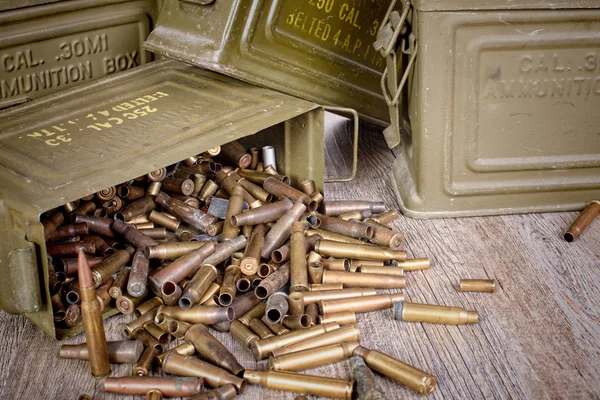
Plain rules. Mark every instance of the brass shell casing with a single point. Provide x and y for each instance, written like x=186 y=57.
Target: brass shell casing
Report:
x=309 y=384
x=250 y=262
x=282 y=229
x=341 y=318
x=156 y=332
x=212 y=290
x=172 y=250
x=354 y=229
x=236 y=202
x=477 y=285
x=313 y=311
x=277 y=329
x=140 y=385
x=199 y=314
x=138 y=276
x=264 y=214
x=242 y=333
x=332 y=236
x=139 y=207
x=386 y=217
x=258 y=327
x=162 y=219
x=312 y=358
x=358 y=279
x=147 y=306
x=317 y=296
x=196 y=288
x=384 y=236
x=296 y=303
x=348 y=333
x=273 y=282
x=415 y=264
x=298 y=268
x=587 y=216
x=111 y=264
x=344 y=206
x=435 y=314
x=263 y=348
x=256 y=312
x=325 y=287
x=386 y=270
x=228 y=289
x=361 y=304
x=357 y=251
x=128 y=330
x=211 y=349
x=280 y=189
x=146 y=361
x=185 y=349
x=119 y=352
x=226 y=392
x=127 y=304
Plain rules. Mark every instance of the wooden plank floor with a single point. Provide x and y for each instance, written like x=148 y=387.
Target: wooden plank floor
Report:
x=538 y=336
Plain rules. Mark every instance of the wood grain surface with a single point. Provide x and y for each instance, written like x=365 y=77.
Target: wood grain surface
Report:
x=538 y=335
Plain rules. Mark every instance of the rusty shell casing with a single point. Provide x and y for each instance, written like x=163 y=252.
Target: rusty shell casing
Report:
x=256 y=311
x=149 y=305
x=386 y=270
x=119 y=352
x=354 y=229
x=212 y=290
x=189 y=200
x=282 y=254
x=157 y=175
x=477 y=285
x=309 y=187
x=146 y=362
x=236 y=153
x=259 y=177
x=357 y=251
x=258 y=327
x=102 y=246
x=348 y=333
x=280 y=189
x=148 y=340
x=138 y=276
x=199 y=314
x=587 y=216
x=111 y=265
x=263 y=348
x=266 y=269
x=229 y=184
x=156 y=332
x=244 y=303
x=315 y=272
x=321 y=287
x=216 y=228
x=341 y=207
x=135 y=209
x=415 y=264
x=168 y=386
x=185 y=349
x=273 y=282
x=254 y=190
x=72 y=316
x=317 y=296
x=212 y=350
x=107 y=194
x=97 y=225
x=162 y=219
x=301 y=383
x=277 y=329
x=384 y=236
x=261 y=215
x=236 y=202
x=226 y=392
x=182 y=267
x=282 y=230
x=131 y=193
x=208 y=190
x=132 y=235
x=277 y=307
x=251 y=260
x=242 y=333
x=342 y=318
x=85 y=208
x=361 y=304
x=357 y=214
x=196 y=288
x=68 y=266
x=172 y=250
x=225 y=249
x=177 y=364
x=128 y=330
x=296 y=303
x=170 y=293
x=386 y=217
x=188 y=214
x=179 y=186
x=313 y=311
x=199 y=181
x=228 y=289
x=243 y=284
x=298 y=269
x=332 y=236
x=71 y=249
x=435 y=314
x=127 y=303
x=58 y=308
x=153 y=189
x=255 y=155
x=337 y=264
x=409 y=376
x=366 y=386
x=102 y=294
x=312 y=358
x=51 y=223
x=69 y=230
x=94 y=333
x=155 y=233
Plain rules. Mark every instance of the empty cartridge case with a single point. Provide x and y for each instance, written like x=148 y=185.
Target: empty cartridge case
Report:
x=366 y=386
x=209 y=189
x=244 y=303
x=130 y=192
x=317 y=296
x=267 y=269
x=341 y=207
x=312 y=358
x=132 y=235
x=148 y=340
x=313 y=311
x=139 y=207
x=195 y=289
x=101 y=246
x=261 y=215
x=68 y=231
x=251 y=260
x=70 y=249
x=228 y=288
x=259 y=177
x=85 y=208
x=477 y=285
x=315 y=272
x=435 y=314
x=282 y=253
x=177 y=185
x=168 y=386
x=199 y=314
x=146 y=361
x=354 y=229
x=112 y=264
x=226 y=392
x=58 y=308
x=273 y=282
x=102 y=294
x=243 y=284
x=341 y=318
x=100 y=226
x=348 y=333
x=128 y=330
x=298 y=269
x=156 y=332
x=151 y=304
x=282 y=229
x=357 y=251
x=212 y=290
x=170 y=293
x=185 y=349
x=255 y=154
x=309 y=187
x=258 y=327
x=236 y=153
x=119 y=352
x=225 y=249
x=242 y=333
x=357 y=214
x=138 y=276
x=51 y=223
x=414 y=378
x=322 y=287
x=263 y=348
x=127 y=303
x=277 y=329
x=385 y=217
x=309 y=384
x=172 y=250
x=199 y=181
x=193 y=216
x=236 y=202
x=162 y=219
x=587 y=216
x=256 y=311
x=68 y=266
x=254 y=190
x=211 y=349
x=72 y=316
x=277 y=307
x=415 y=264
x=177 y=364
x=335 y=264
x=107 y=194
x=366 y=269
x=383 y=236
x=361 y=304
x=280 y=189
x=180 y=328
x=296 y=303
x=336 y=237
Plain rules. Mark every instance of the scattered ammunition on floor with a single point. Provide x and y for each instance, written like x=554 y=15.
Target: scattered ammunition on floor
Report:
x=385 y=217
x=282 y=254
x=357 y=251
x=138 y=276
x=190 y=215
x=225 y=249
x=255 y=312
x=70 y=249
x=119 y=352
x=348 y=333
x=170 y=293
x=68 y=231
x=356 y=214
x=127 y=303
x=261 y=215
x=251 y=260
x=341 y=318
x=321 y=287
x=242 y=333
x=335 y=264
x=273 y=282
x=336 y=237
x=366 y=386
x=383 y=236
x=435 y=314
x=148 y=306
x=228 y=289
x=296 y=303
x=128 y=330
x=477 y=285
x=199 y=314
x=295 y=322
x=309 y=187
x=156 y=332
x=277 y=329
x=277 y=307
x=176 y=364
x=92 y=321
x=309 y=384
x=397 y=370
x=415 y=264
x=146 y=361
x=317 y=296
x=587 y=216
x=226 y=392
x=262 y=348
x=185 y=349
x=196 y=288
x=139 y=207
x=280 y=189
x=298 y=270
x=211 y=349
x=97 y=225
x=258 y=327
x=169 y=386
x=312 y=358
x=340 y=207
x=396 y=271
x=361 y=304
x=354 y=229
x=111 y=265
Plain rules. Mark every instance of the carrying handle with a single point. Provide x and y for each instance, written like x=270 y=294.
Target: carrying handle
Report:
x=343 y=110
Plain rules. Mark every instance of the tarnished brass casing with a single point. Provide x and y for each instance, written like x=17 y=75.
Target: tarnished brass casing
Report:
x=587 y=216
x=135 y=209
x=298 y=269
x=199 y=314
x=282 y=229
x=385 y=270
x=361 y=304
x=138 y=276
x=383 y=236
x=435 y=314
x=186 y=213
x=119 y=352
x=196 y=288
x=162 y=219
x=211 y=349
x=354 y=229
x=280 y=189
x=140 y=385
x=312 y=358
x=301 y=321
x=127 y=303
x=277 y=329
x=261 y=215
x=228 y=289
x=277 y=307
x=296 y=303
x=172 y=250
x=341 y=318
x=146 y=361
x=357 y=251
x=415 y=264
x=225 y=249
x=255 y=312
x=258 y=327
x=386 y=217
x=321 y=287
x=128 y=330
x=242 y=333
x=251 y=260
x=236 y=202
x=147 y=306
x=358 y=279
x=317 y=296
x=262 y=348
x=273 y=282
x=226 y=392
x=111 y=264
x=185 y=349
x=341 y=207
x=477 y=285
x=309 y=384
x=348 y=333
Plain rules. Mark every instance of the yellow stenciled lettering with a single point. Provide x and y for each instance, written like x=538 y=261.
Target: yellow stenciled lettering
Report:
x=290 y=19
x=357 y=45
x=300 y=17
x=374 y=28
x=52 y=142
x=117 y=121
x=34 y=134
x=346 y=44
x=8 y=63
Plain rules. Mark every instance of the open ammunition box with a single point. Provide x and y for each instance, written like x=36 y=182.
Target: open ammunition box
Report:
x=319 y=50
x=73 y=143
x=50 y=47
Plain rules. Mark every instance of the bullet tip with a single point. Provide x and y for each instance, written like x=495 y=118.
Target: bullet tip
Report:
x=84 y=273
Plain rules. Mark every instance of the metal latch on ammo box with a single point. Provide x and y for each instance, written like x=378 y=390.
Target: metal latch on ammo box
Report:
x=393 y=25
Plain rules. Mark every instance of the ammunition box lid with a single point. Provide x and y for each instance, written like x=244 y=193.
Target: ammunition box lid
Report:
x=74 y=143
x=12 y=4
x=483 y=5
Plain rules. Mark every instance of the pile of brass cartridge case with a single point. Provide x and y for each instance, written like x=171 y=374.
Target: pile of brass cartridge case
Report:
x=222 y=242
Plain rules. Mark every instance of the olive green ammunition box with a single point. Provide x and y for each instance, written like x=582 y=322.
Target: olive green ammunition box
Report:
x=319 y=50
x=50 y=47
x=73 y=143
x=500 y=109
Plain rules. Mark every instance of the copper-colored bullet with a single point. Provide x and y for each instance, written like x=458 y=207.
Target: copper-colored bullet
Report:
x=296 y=303
x=100 y=226
x=212 y=290
x=435 y=314
x=277 y=307
x=68 y=266
x=354 y=229
x=477 y=285
x=146 y=361
x=236 y=153
x=51 y=223
x=172 y=250
x=128 y=330
x=415 y=264
x=357 y=251
x=151 y=304
x=340 y=207
x=225 y=249
x=208 y=190
x=312 y=358
x=226 y=392
x=176 y=364
x=139 y=207
x=397 y=370
x=92 y=321
x=127 y=303
x=111 y=265
x=361 y=304
x=242 y=333
x=228 y=289
x=263 y=348
x=170 y=293
x=280 y=189
x=183 y=266
x=195 y=289
x=185 y=349
x=199 y=314
x=138 y=276
x=85 y=208
x=294 y=322
x=132 y=235
x=341 y=318
x=193 y=216
x=259 y=177
x=309 y=384
x=321 y=287
x=70 y=249
x=317 y=296
x=255 y=312
x=211 y=349
x=236 y=202
x=68 y=231
x=396 y=271
x=258 y=327
x=156 y=332
x=587 y=216
x=277 y=329
x=249 y=264
x=261 y=215
x=140 y=385
x=336 y=237
x=273 y=282
x=119 y=352
x=366 y=386
x=348 y=333
x=335 y=264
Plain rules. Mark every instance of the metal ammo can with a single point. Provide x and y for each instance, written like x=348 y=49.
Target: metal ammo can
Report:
x=73 y=143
